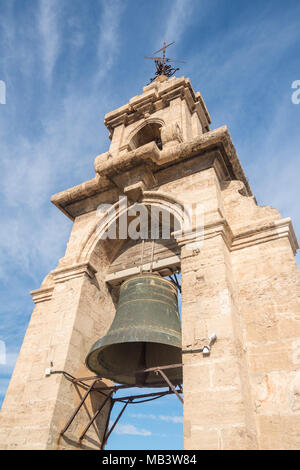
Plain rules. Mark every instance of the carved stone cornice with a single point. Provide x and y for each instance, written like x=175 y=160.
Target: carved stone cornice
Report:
x=42 y=295
x=110 y=168
x=159 y=91
x=260 y=234
x=73 y=271
x=197 y=236
x=153 y=156
x=252 y=236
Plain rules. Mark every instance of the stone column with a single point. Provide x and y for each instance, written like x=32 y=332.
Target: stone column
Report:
x=217 y=402
x=69 y=316
x=268 y=281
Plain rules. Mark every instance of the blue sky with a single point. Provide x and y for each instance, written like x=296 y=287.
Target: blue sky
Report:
x=66 y=63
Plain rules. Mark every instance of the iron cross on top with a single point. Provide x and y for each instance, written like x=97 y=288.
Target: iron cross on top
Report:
x=161 y=63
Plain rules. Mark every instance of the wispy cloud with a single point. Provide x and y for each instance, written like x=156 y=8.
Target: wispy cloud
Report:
x=180 y=15
x=109 y=35
x=132 y=430
x=5 y=372
x=169 y=418
x=50 y=34
x=172 y=419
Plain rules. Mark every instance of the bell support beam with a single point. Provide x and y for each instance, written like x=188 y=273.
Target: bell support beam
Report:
x=172 y=263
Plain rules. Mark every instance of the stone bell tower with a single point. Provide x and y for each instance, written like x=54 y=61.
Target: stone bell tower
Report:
x=239 y=281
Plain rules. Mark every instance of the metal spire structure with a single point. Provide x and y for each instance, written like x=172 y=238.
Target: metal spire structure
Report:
x=161 y=63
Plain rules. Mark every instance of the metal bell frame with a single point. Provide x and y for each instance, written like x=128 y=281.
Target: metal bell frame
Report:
x=108 y=392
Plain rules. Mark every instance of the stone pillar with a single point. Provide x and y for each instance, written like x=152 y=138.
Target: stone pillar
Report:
x=69 y=316
x=268 y=281
x=217 y=403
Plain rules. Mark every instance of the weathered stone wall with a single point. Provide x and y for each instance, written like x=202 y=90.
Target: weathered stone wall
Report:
x=244 y=287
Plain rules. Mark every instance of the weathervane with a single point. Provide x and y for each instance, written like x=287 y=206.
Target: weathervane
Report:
x=161 y=63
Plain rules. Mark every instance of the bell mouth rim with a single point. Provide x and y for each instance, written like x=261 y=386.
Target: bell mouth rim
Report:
x=128 y=377
x=154 y=275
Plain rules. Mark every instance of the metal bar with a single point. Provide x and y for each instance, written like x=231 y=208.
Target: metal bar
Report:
x=80 y=396
x=190 y=351
x=73 y=379
x=107 y=423
x=86 y=386
x=95 y=416
x=176 y=282
x=115 y=423
x=152 y=254
x=152 y=369
x=64 y=373
x=120 y=387
x=134 y=397
x=171 y=366
x=142 y=257
x=78 y=408
x=130 y=399
x=170 y=384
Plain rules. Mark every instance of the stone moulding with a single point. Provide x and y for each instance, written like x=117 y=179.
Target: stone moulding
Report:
x=42 y=295
x=81 y=191
x=261 y=234
x=108 y=167
x=256 y=235
x=75 y=270
x=213 y=229
x=62 y=275
x=158 y=93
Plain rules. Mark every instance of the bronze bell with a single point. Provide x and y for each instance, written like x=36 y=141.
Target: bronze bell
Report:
x=145 y=333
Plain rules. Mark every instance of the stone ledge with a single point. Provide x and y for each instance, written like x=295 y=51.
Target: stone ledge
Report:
x=261 y=234
x=42 y=295
x=109 y=167
x=81 y=191
x=161 y=89
x=73 y=271
x=213 y=229
x=258 y=234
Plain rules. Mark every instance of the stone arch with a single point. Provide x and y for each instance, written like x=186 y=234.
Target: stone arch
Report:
x=147 y=131
x=159 y=200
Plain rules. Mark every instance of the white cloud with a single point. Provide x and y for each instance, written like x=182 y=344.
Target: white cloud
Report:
x=142 y=416
x=180 y=14
x=32 y=168
x=109 y=39
x=132 y=430
x=2 y=352
x=172 y=419
x=6 y=369
x=49 y=29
